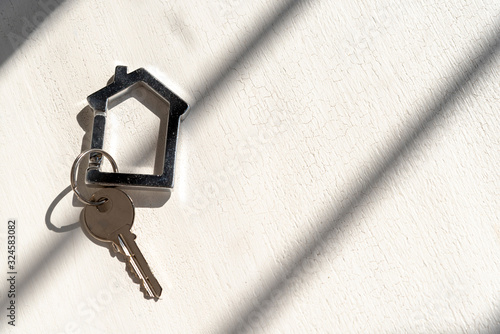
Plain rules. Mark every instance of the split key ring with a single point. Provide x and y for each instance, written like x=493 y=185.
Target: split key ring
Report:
x=74 y=170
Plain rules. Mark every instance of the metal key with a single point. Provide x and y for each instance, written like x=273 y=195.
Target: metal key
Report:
x=111 y=222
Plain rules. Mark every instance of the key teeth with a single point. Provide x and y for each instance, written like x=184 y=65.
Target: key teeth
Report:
x=131 y=267
x=135 y=267
x=142 y=283
x=132 y=270
x=145 y=291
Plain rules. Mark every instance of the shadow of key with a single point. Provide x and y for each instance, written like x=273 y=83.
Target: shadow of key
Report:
x=48 y=215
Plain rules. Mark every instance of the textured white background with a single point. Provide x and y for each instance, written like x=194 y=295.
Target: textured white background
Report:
x=338 y=171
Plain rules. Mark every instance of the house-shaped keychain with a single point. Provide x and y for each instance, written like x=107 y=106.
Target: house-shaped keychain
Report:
x=98 y=101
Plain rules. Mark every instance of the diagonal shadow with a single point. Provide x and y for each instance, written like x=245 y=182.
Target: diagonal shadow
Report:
x=253 y=312
x=284 y=13
x=19 y=19
x=259 y=38
x=358 y=194
x=49 y=255
x=496 y=329
x=43 y=259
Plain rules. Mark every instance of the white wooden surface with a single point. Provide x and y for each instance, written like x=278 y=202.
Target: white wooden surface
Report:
x=338 y=171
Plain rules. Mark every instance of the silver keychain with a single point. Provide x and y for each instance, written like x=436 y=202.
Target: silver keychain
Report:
x=109 y=213
x=122 y=83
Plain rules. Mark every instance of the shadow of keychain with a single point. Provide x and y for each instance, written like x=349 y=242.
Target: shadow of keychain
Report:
x=109 y=214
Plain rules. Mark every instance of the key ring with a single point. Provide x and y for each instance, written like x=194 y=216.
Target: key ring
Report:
x=74 y=170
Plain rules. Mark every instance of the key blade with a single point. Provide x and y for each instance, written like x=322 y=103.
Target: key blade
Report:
x=140 y=266
x=135 y=267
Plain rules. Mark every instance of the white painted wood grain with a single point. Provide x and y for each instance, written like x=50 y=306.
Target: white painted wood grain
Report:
x=273 y=159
